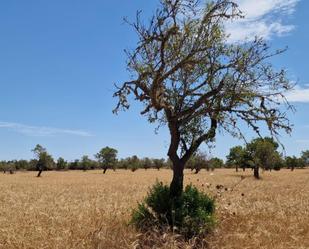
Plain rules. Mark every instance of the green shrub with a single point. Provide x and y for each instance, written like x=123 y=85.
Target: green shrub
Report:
x=191 y=214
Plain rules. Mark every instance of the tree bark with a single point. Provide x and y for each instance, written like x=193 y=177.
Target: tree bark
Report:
x=39 y=174
x=256 y=172
x=176 y=186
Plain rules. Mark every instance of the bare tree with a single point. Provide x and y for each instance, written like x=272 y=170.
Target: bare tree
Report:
x=189 y=77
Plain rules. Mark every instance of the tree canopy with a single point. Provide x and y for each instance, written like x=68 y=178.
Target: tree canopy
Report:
x=187 y=73
x=191 y=78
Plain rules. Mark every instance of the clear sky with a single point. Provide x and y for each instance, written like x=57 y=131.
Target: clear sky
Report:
x=59 y=60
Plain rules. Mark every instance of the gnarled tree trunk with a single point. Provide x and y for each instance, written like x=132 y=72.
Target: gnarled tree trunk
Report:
x=256 y=172
x=176 y=186
x=40 y=172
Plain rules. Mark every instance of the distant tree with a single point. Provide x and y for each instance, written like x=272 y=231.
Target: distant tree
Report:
x=189 y=77
x=158 y=163
x=278 y=162
x=134 y=163
x=305 y=157
x=301 y=163
x=61 y=164
x=198 y=161
x=2 y=166
x=11 y=167
x=294 y=162
x=291 y=162
x=107 y=158
x=33 y=164
x=21 y=164
x=74 y=165
x=146 y=163
x=237 y=158
x=263 y=152
x=216 y=163
x=45 y=161
x=85 y=163
x=123 y=164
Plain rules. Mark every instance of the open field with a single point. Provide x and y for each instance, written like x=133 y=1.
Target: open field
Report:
x=90 y=210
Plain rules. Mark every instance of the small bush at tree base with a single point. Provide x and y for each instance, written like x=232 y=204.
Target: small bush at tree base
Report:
x=190 y=215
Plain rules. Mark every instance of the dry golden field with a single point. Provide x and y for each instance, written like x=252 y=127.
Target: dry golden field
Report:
x=91 y=210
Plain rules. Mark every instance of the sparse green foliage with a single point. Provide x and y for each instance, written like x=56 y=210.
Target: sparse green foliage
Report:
x=190 y=78
x=61 y=164
x=134 y=163
x=191 y=214
x=146 y=163
x=237 y=157
x=294 y=162
x=305 y=157
x=216 y=163
x=85 y=163
x=198 y=161
x=158 y=163
x=38 y=150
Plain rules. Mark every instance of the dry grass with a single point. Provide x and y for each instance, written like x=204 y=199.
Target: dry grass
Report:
x=90 y=210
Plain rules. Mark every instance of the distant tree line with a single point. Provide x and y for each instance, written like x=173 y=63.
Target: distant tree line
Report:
x=105 y=159
x=260 y=153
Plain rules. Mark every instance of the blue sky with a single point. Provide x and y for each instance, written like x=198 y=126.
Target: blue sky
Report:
x=59 y=61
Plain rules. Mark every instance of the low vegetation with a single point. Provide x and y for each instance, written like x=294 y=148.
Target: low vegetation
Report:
x=190 y=215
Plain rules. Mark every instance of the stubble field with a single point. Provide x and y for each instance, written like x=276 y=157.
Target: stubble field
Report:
x=91 y=210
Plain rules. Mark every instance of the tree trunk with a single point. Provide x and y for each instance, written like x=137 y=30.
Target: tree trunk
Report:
x=256 y=172
x=39 y=174
x=176 y=186
x=244 y=169
x=104 y=171
x=236 y=168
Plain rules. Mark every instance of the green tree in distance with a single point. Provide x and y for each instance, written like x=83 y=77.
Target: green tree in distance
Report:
x=237 y=157
x=263 y=154
x=61 y=164
x=44 y=160
x=305 y=157
x=107 y=157
x=85 y=163
x=216 y=163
